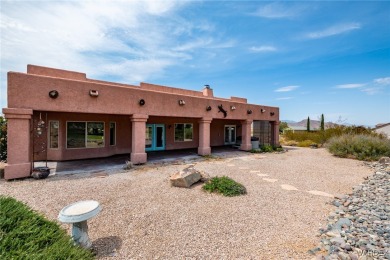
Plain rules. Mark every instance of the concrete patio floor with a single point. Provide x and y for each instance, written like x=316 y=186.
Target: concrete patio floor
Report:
x=116 y=162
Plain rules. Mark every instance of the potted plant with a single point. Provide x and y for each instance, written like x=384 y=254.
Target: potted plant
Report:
x=255 y=142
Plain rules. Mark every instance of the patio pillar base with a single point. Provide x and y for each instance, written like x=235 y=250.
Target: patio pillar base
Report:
x=138 y=128
x=19 y=143
x=246 y=144
x=204 y=136
x=138 y=158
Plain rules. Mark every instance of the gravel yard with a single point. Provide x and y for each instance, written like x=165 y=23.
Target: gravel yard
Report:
x=144 y=217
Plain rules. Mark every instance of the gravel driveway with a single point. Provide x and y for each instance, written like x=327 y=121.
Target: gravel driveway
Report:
x=144 y=217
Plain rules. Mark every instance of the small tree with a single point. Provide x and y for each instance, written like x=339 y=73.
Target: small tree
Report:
x=282 y=126
x=308 y=124
x=322 y=122
x=3 y=139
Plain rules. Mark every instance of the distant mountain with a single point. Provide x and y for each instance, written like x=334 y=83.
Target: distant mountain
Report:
x=314 y=124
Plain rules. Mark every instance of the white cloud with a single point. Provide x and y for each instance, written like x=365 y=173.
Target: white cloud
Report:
x=277 y=11
x=286 y=89
x=127 y=40
x=263 y=48
x=350 y=86
x=284 y=98
x=333 y=30
x=382 y=81
x=371 y=91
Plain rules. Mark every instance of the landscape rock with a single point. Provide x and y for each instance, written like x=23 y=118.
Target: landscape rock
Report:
x=360 y=225
x=384 y=160
x=186 y=177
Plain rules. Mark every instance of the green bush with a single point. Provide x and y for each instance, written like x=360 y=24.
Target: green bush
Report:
x=24 y=234
x=225 y=186
x=361 y=146
x=3 y=139
x=267 y=148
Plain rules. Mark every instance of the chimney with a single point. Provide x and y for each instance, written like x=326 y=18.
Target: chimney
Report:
x=207 y=91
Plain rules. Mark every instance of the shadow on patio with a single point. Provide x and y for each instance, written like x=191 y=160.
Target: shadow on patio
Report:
x=115 y=163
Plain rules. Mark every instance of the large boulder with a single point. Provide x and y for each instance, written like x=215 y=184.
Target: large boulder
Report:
x=186 y=177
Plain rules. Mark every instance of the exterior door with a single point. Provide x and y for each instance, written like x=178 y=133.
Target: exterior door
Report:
x=155 y=137
x=230 y=134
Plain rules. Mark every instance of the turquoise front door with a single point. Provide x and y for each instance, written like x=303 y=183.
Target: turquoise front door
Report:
x=155 y=137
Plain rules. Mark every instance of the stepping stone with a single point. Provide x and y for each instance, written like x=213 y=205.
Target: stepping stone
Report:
x=262 y=175
x=254 y=171
x=288 y=187
x=270 y=180
x=320 y=193
x=230 y=165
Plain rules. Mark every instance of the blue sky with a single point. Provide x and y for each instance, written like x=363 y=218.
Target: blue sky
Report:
x=307 y=58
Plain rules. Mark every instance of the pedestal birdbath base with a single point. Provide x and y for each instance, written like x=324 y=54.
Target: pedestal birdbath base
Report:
x=78 y=214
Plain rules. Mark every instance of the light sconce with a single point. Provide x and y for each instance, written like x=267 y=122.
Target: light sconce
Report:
x=208 y=108
x=141 y=102
x=249 y=112
x=262 y=110
x=232 y=108
x=182 y=102
x=53 y=94
x=40 y=125
x=272 y=113
x=93 y=93
x=169 y=126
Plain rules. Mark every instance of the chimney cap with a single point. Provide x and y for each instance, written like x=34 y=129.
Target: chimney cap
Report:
x=207 y=86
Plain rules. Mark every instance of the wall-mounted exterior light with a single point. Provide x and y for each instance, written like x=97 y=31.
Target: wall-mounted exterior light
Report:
x=53 y=94
x=272 y=113
x=93 y=93
x=141 y=102
x=182 y=102
x=262 y=110
x=249 y=111
x=208 y=108
x=232 y=108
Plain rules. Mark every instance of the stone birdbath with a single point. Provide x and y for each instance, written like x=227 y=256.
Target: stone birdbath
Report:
x=78 y=214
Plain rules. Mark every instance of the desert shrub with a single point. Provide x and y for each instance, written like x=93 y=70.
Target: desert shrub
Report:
x=24 y=234
x=306 y=143
x=225 y=186
x=321 y=137
x=3 y=139
x=359 y=146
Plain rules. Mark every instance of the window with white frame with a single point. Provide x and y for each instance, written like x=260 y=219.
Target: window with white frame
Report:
x=84 y=135
x=183 y=132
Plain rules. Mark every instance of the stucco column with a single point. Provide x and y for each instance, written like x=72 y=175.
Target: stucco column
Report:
x=246 y=144
x=18 y=143
x=138 y=128
x=275 y=133
x=204 y=136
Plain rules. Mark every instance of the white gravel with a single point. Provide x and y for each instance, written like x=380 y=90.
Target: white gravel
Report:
x=143 y=217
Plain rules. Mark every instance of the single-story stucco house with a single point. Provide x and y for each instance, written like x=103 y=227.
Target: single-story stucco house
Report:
x=59 y=115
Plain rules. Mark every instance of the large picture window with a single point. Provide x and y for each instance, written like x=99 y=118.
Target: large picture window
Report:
x=183 y=132
x=85 y=135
